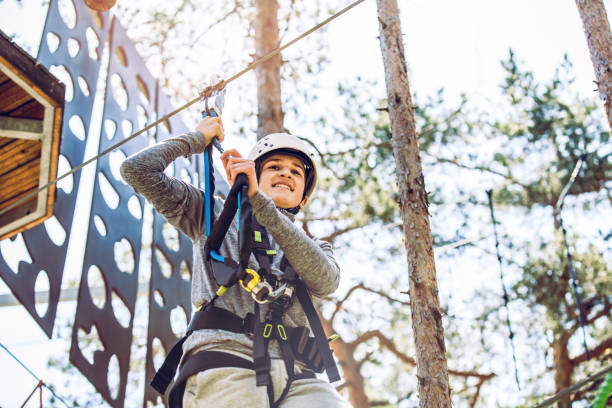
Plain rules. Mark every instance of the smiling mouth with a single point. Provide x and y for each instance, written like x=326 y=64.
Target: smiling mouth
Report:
x=282 y=186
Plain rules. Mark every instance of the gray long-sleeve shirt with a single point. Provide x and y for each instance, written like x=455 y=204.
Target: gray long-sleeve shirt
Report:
x=183 y=206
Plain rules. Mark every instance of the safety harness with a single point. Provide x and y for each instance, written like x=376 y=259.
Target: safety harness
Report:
x=264 y=287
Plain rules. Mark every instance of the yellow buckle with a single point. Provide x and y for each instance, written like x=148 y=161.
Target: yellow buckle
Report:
x=254 y=281
x=281 y=331
x=267 y=330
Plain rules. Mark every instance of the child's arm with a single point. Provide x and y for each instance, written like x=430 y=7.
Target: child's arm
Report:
x=179 y=202
x=313 y=261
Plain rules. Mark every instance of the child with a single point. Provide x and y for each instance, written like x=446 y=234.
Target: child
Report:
x=218 y=367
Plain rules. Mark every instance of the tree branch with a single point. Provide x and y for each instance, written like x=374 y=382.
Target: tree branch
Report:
x=337 y=233
x=362 y=286
x=593 y=353
x=604 y=312
x=389 y=345
x=478 y=168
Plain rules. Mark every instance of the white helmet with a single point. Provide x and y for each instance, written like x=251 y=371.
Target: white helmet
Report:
x=286 y=143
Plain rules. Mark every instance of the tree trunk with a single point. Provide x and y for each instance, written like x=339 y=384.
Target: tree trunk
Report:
x=351 y=369
x=269 y=110
x=599 y=38
x=432 y=375
x=563 y=368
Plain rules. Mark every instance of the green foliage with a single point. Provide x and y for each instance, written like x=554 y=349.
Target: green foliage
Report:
x=544 y=130
x=546 y=282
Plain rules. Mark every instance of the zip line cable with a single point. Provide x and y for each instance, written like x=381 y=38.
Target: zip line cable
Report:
x=570 y=263
x=571 y=389
x=40 y=382
x=503 y=284
x=207 y=92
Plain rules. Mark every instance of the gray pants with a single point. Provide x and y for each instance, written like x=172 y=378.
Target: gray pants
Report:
x=231 y=387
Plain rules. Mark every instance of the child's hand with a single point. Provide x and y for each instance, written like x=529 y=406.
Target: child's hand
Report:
x=210 y=127
x=234 y=164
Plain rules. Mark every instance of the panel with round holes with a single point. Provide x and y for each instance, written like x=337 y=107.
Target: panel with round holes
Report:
x=63 y=50
x=170 y=250
x=116 y=208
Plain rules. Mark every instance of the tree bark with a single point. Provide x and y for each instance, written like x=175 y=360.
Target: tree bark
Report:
x=599 y=39
x=270 y=115
x=563 y=368
x=351 y=368
x=432 y=373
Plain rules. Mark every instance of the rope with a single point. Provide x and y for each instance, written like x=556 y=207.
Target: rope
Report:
x=570 y=263
x=571 y=389
x=501 y=277
x=40 y=382
x=207 y=92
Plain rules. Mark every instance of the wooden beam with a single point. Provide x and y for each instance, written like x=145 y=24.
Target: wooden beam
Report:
x=21 y=125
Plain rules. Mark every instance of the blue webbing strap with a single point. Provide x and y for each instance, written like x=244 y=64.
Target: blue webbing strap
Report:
x=238 y=212
x=207 y=208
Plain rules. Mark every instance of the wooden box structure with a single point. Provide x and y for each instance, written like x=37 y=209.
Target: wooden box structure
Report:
x=31 y=110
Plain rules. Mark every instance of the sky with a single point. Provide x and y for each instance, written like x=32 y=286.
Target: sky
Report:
x=450 y=44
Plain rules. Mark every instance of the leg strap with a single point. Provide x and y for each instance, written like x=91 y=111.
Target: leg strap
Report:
x=207 y=360
x=202 y=361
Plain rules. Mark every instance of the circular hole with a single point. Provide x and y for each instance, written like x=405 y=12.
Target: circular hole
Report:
x=159 y=298
x=142 y=116
x=97 y=286
x=41 y=293
x=114 y=376
x=100 y=226
x=120 y=55
x=144 y=91
x=67 y=12
x=171 y=237
x=120 y=309
x=63 y=167
x=185 y=271
x=83 y=85
x=53 y=42
x=126 y=128
x=178 y=321
x=62 y=74
x=119 y=91
x=124 y=255
x=77 y=127
x=115 y=158
x=110 y=196
x=55 y=230
x=159 y=353
x=134 y=207
x=110 y=127
x=164 y=265
x=93 y=42
x=73 y=47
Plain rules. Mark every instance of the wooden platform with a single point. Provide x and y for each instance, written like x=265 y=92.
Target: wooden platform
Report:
x=31 y=109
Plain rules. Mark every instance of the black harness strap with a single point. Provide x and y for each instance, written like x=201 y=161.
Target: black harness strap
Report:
x=209 y=318
x=315 y=324
x=202 y=361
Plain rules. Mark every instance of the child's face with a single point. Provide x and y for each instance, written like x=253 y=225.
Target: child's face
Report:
x=283 y=179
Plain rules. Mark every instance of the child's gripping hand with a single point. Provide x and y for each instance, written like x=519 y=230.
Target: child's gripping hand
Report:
x=208 y=128
x=234 y=164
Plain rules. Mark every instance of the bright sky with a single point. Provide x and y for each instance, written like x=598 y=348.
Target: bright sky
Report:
x=452 y=44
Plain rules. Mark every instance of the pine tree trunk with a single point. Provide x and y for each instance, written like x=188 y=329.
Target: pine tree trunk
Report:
x=563 y=368
x=351 y=369
x=432 y=375
x=269 y=110
x=599 y=38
